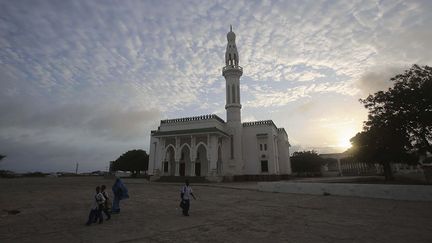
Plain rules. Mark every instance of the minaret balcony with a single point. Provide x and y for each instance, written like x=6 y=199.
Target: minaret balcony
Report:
x=232 y=68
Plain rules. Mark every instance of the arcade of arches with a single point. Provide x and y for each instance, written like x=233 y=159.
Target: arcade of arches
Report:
x=188 y=161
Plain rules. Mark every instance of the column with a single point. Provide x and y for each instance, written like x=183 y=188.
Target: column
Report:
x=192 y=172
x=276 y=163
x=154 y=158
x=177 y=168
x=193 y=154
x=209 y=146
x=339 y=167
x=177 y=156
x=161 y=154
x=212 y=155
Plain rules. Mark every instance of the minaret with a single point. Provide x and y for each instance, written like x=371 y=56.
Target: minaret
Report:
x=232 y=73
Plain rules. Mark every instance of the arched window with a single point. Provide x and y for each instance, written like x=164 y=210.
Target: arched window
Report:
x=232 y=147
x=233 y=94
x=235 y=59
x=238 y=94
x=228 y=94
x=229 y=59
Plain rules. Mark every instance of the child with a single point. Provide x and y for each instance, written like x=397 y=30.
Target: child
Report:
x=96 y=211
x=106 y=206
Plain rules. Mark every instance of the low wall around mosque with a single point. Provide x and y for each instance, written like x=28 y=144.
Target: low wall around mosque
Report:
x=395 y=192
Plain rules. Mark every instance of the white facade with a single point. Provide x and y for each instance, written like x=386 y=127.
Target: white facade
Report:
x=208 y=146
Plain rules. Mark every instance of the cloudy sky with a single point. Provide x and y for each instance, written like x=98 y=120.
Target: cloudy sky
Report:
x=84 y=81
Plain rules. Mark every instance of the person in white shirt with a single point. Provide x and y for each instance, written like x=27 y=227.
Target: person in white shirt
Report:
x=96 y=210
x=185 y=194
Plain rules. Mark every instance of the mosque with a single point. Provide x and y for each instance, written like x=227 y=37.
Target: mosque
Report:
x=207 y=146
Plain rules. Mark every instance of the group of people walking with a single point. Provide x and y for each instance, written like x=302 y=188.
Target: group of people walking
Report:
x=102 y=204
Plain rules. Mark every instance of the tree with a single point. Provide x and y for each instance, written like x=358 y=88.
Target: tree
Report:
x=2 y=156
x=406 y=107
x=133 y=161
x=399 y=123
x=306 y=162
x=381 y=145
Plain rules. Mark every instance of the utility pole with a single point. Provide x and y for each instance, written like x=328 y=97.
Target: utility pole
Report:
x=76 y=168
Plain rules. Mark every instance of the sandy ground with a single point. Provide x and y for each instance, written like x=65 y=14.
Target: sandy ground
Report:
x=55 y=210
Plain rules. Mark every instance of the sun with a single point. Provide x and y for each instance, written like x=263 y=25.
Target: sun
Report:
x=344 y=143
x=344 y=137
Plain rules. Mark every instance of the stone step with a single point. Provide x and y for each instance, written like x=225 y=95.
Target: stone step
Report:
x=192 y=179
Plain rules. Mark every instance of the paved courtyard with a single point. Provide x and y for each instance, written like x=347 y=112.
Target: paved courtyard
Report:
x=55 y=210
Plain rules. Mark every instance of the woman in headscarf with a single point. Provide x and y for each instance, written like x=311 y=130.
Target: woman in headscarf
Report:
x=120 y=192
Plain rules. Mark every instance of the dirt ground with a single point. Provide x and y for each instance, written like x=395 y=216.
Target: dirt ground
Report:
x=55 y=210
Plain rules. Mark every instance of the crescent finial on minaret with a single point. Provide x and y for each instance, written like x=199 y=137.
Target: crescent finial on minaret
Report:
x=231 y=54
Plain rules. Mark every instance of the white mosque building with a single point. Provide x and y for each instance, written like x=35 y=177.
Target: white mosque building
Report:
x=207 y=146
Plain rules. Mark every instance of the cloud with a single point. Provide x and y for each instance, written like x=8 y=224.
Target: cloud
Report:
x=308 y=76
x=377 y=79
x=329 y=121
x=163 y=62
x=34 y=134
x=268 y=97
x=110 y=121
x=70 y=72
x=29 y=153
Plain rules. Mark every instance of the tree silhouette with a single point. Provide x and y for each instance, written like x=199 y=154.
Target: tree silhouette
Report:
x=2 y=156
x=405 y=108
x=133 y=160
x=381 y=145
x=306 y=162
x=399 y=123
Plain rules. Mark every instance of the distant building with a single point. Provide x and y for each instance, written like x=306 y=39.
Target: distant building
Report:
x=213 y=148
x=341 y=164
x=333 y=167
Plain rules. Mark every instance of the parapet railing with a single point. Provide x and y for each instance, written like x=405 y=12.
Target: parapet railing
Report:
x=257 y=123
x=237 y=67
x=281 y=130
x=193 y=118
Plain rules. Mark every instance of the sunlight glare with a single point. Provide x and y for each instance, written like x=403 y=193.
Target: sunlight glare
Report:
x=344 y=137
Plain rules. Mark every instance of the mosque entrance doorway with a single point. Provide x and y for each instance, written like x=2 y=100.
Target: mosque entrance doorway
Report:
x=185 y=162
x=197 y=169
x=201 y=166
x=169 y=165
x=182 y=169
